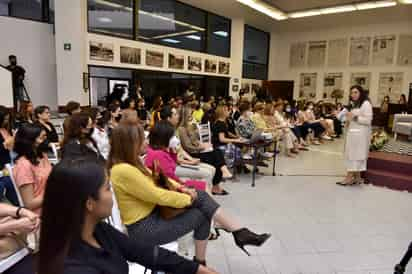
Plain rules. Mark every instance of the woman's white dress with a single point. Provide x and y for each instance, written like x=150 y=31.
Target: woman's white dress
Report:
x=358 y=137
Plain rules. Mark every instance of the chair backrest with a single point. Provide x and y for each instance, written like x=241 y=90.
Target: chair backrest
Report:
x=16 y=188
x=54 y=157
x=115 y=219
x=205 y=133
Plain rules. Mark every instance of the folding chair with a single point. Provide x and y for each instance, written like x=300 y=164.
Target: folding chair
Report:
x=205 y=133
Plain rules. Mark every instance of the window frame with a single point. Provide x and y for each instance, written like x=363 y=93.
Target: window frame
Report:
x=45 y=16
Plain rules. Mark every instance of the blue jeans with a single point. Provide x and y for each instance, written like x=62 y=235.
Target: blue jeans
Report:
x=7 y=190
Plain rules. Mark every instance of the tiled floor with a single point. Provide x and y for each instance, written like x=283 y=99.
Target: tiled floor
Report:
x=317 y=226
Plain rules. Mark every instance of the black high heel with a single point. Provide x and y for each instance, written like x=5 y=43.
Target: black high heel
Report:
x=245 y=237
x=217 y=230
x=399 y=269
x=199 y=261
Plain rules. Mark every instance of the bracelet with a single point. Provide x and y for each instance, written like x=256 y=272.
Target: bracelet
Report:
x=18 y=212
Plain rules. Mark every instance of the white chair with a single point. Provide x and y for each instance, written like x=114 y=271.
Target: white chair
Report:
x=54 y=156
x=205 y=133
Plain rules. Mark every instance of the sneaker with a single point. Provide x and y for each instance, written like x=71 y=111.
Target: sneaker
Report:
x=267 y=154
x=247 y=157
x=326 y=137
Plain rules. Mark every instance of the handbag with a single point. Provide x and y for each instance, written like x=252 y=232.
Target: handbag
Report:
x=162 y=181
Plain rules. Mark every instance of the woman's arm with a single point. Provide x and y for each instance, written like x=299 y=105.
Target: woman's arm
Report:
x=27 y=222
x=223 y=139
x=187 y=142
x=27 y=194
x=365 y=115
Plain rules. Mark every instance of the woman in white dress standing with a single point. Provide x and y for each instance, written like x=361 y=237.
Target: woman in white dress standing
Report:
x=359 y=129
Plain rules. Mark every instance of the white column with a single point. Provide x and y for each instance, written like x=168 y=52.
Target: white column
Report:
x=71 y=28
x=236 y=52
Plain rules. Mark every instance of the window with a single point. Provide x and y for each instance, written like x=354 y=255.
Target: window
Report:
x=255 y=53
x=26 y=9
x=218 y=35
x=112 y=17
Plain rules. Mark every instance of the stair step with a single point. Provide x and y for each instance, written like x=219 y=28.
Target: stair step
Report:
x=390 y=162
x=388 y=179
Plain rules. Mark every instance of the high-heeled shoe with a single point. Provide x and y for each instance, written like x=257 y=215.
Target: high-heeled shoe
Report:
x=245 y=237
x=199 y=261
x=399 y=269
x=218 y=229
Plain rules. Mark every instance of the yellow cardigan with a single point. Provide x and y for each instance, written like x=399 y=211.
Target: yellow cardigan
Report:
x=137 y=194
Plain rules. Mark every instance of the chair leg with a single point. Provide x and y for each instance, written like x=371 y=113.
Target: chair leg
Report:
x=395 y=136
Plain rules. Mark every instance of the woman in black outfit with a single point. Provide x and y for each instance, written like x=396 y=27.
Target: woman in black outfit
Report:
x=74 y=239
x=42 y=115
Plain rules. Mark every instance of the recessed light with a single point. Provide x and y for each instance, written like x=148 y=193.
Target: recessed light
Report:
x=194 y=37
x=105 y=20
x=405 y=1
x=221 y=33
x=172 y=41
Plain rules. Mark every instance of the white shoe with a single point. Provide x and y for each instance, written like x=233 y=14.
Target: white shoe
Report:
x=247 y=157
x=326 y=137
x=267 y=154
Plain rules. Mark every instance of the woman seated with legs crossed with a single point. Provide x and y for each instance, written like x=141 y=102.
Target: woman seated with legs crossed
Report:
x=141 y=200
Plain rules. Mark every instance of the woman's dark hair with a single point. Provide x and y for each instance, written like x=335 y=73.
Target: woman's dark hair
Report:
x=39 y=110
x=77 y=122
x=362 y=97
x=113 y=107
x=403 y=97
x=157 y=103
x=161 y=134
x=244 y=106
x=70 y=184
x=4 y=123
x=71 y=106
x=166 y=112
x=104 y=120
x=93 y=113
x=24 y=142
x=127 y=102
x=24 y=114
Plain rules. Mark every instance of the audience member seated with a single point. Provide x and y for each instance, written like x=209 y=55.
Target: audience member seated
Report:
x=245 y=126
x=70 y=108
x=129 y=103
x=188 y=167
x=15 y=223
x=99 y=134
x=155 y=111
x=306 y=115
x=198 y=113
x=209 y=114
x=25 y=114
x=79 y=197
x=190 y=139
x=42 y=115
x=320 y=114
x=6 y=148
x=115 y=116
x=140 y=197
x=329 y=113
x=298 y=127
x=32 y=167
x=289 y=138
x=142 y=112
x=78 y=141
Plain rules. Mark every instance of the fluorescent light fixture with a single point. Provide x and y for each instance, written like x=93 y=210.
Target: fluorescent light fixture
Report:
x=306 y=13
x=104 y=19
x=194 y=37
x=171 y=41
x=174 y=34
x=375 y=4
x=264 y=8
x=109 y=4
x=338 y=9
x=164 y=18
x=405 y=1
x=221 y=33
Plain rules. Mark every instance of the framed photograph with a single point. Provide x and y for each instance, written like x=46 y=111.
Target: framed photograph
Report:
x=101 y=51
x=176 y=61
x=224 y=68
x=210 y=66
x=154 y=58
x=235 y=88
x=194 y=63
x=130 y=55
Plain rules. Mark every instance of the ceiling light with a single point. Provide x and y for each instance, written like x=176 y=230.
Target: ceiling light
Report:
x=109 y=4
x=105 y=19
x=172 y=41
x=338 y=9
x=264 y=8
x=305 y=13
x=194 y=37
x=405 y=1
x=174 y=34
x=375 y=4
x=164 y=18
x=221 y=33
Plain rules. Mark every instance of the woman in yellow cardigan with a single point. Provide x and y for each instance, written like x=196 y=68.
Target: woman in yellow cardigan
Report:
x=138 y=197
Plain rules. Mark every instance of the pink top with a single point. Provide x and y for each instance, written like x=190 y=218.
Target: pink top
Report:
x=167 y=162
x=25 y=173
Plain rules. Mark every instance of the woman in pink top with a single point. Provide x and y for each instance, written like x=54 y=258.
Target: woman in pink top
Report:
x=162 y=150
x=32 y=167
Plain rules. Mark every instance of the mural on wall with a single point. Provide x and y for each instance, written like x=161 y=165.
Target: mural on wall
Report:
x=337 y=52
x=176 y=61
x=383 y=50
x=224 y=68
x=210 y=66
x=405 y=50
x=101 y=51
x=297 y=55
x=130 y=55
x=390 y=84
x=154 y=58
x=194 y=63
x=359 y=51
x=317 y=53
x=332 y=86
x=307 y=86
x=362 y=79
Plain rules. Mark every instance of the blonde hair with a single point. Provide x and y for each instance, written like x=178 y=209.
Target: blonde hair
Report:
x=220 y=112
x=259 y=107
x=269 y=109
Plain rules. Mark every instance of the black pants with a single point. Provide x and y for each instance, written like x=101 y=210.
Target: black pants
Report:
x=317 y=128
x=214 y=158
x=25 y=266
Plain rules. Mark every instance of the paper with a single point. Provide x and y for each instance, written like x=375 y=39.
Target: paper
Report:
x=390 y=84
x=405 y=50
x=297 y=55
x=307 y=87
x=317 y=53
x=362 y=79
x=332 y=86
x=359 y=51
x=338 y=52
x=383 y=50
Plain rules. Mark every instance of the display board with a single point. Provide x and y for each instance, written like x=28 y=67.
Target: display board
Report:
x=297 y=55
x=359 y=51
x=383 y=50
x=405 y=50
x=337 y=52
x=307 y=87
x=390 y=84
x=362 y=79
x=317 y=53
x=332 y=83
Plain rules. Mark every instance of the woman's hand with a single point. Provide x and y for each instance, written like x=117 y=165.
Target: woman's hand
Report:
x=30 y=215
x=9 y=143
x=191 y=192
x=349 y=116
x=205 y=146
x=25 y=225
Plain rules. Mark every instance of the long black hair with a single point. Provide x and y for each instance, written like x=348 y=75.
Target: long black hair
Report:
x=70 y=184
x=161 y=134
x=364 y=96
x=24 y=143
x=4 y=113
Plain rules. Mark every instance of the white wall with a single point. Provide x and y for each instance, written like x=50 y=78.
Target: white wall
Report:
x=280 y=51
x=33 y=44
x=6 y=88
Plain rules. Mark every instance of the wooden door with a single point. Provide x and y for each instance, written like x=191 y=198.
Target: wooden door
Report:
x=279 y=89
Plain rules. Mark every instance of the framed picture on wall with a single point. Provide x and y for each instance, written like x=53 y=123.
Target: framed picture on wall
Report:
x=176 y=61
x=101 y=51
x=154 y=58
x=235 y=88
x=194 y=63
x=210 y=66
x=224 y=68
x=130 y=55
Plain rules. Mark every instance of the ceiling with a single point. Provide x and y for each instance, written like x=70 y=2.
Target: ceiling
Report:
x=297 y=5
